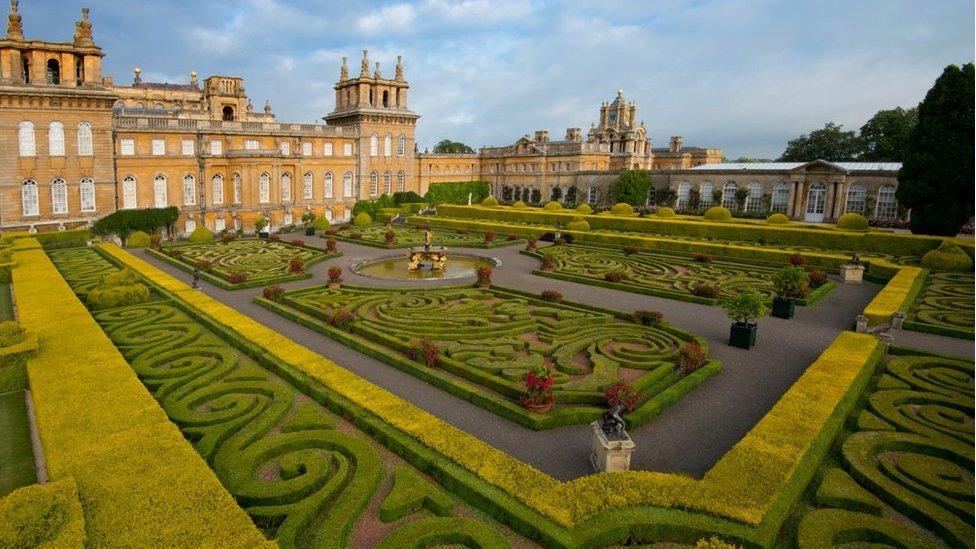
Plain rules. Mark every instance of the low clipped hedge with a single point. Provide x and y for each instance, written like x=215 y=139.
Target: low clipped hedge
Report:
x=578 y=224
x=47 y=515
x=489 y=201
x=138 y=239
x=665 y=212
x=444 y=531
x=718 y=213
x=553 y=206
x=362 y=219
x=852 y=222
x=948 y=257
x=201 y=234
x=519 y=205
x=584 y=209
x=411 y=493
x=778 y=219
x=898 y=295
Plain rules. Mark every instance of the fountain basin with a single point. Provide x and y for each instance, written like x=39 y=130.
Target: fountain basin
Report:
x=397 y=268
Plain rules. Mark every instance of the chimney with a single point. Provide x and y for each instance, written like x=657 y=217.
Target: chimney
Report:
x=574 y=134
x=541 y=136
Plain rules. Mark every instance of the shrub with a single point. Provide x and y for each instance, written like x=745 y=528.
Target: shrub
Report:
x=202 y=264
x=548 y=263
x=630 y=250
x=622 y=208
x=817 y=278
x=274 y=238
x=948 y=257
x=623 y=393
x=578 y=224
x=746 y=306
x=149 y=220
x=260 y=224
x=330 y=245
x=702 y=258
x=298 y=243
x=777 y=219
x=718 y=213
x=464 y=232
x=614 y=276
x=489 y=238
x=484 y=276
x=138 y=239
x=552 y=296
x=665 y=212
x=704 y=289
x=538 y=386
x=356 y=235
x=796 y=260
x=553 y=205
x=308 y=219
x=407 y=197
x=239 y=233
x=321 y=224
x=341 y=318
x=227 y=238
x=456 y=192
x=156 y=242
x=335 y=274
x=511 y=237
x=237 y=278
x=531 y=244
x=11 y=333
x=296 y=265
x=559 y=241
x=852 y=222
x=389 y=237
x=690 y=357
x=117 y=296
x=489 y=201
x=584 y=209
x=647 y=318
x=791 y=282
x=274 y=293
x=362 y=219
x=519 y=205
x=424 y=351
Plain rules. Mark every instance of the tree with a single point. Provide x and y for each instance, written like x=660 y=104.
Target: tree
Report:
x=631 y=187
x=884 y=137
x=446 y=146
x=830 y=143
x=936 y=179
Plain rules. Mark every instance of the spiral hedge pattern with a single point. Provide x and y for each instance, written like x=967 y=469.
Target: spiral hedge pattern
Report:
x=947 y=301
x=917 y=461
x=257 y=259
x=407 y=236
x=663 y=272
x=81 y=268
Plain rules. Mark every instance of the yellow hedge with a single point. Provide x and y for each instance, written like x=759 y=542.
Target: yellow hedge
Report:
x=47 y=515
x=897 y=295
x=140 y=482
x=742 y=486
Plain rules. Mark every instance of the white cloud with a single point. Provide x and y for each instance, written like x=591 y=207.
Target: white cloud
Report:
x=393 y=18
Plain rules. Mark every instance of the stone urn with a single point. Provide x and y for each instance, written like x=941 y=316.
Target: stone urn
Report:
x=334 y=285
x=851 y=273
x=608 y=455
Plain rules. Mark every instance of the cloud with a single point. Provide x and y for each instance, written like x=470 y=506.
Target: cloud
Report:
x=393 y=18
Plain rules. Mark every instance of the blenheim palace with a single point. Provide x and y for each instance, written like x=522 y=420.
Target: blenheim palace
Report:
x=77 y=147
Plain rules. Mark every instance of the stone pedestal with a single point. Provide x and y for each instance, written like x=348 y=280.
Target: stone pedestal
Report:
x=851 y=274
x=897 y=320
x=861 y=324
x=610 y=455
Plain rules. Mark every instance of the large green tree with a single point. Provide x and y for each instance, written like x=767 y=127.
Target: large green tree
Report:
x=446 y=146
x=830 y=143
x=884 y=138
x=936 y=178
x=631 y=187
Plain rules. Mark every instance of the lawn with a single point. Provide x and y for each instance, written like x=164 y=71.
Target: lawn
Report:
x=16 y=454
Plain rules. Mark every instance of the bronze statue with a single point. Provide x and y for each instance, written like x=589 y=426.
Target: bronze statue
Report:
x=427 y=239
x=196 y=278
x=855 y=259
x=613 y=424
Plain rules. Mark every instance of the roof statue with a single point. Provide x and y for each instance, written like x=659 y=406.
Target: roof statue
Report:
x=376 y=74
x=15 y=28
x=83 y=30
x=344 y=71
x=399 y=69
x=364 y=65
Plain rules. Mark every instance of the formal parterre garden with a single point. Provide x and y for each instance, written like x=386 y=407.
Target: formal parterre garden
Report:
x=945 y=305
x=409 y=236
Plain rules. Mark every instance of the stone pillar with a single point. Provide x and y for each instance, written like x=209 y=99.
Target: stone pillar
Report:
x=791 y=202
x=829 y=200
x=840 y=199
x=798 y=205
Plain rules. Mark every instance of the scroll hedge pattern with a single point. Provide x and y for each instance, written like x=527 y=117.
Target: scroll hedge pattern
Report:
x=407 y=236
x=255 y=258
x=946 y=304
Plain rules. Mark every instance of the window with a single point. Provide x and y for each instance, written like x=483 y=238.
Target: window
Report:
x=856 y=197
x=159 y=191
x=53 y=72
x=158 y=147
x=252 y=145
x=59 y=196
x=190 y=226
x=755 y=198
x=55 y=139
x=306 y=148
x=347 y=149
x=328 y=184
x=401 y=145
x=228 y=113
x=219 y=224
x=237 y=188
x=728 y=195
x=307 y=186
x=400 y=179
x=84 y=139
x=189 y=190
x=781 y=197
x=388 y=145
x=264 y=188
x=216 y=147
x=591 y=195
x=285 y=147
x=347 y=184
x=25 y=135
x=129 y=192
x=286 y=187
x=187 y=147
x=707 y=192
x=684 y=194
x=887 y=206
x=287 y=219
x=28 y=197
x=373 y=145
x=127 y=147
x=327 y=148
x=372 y=184
x=387 y=179
x=87 y=192
x=218 y=189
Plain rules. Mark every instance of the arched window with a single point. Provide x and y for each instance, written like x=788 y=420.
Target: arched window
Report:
x=59 y=196
x=374 y=147
x=25 y=136
x=228 y=113
x=856 y=197
x=28 y=197
x=307 y=186
x=264 y=188
x=754 y=200
x=781 y=197
x=237 y=188
x=591 y=195
x=53 y=72
x=218 y=188
x=400 y=181
x=159 y=191
x=328 y=185
x=684 y=193
x=387 y=181
x=388 y=145
x=189 y=190
x=372 y=184
x=55 y=139
x=887 y=206
x=286 y=187
x=129 y=192
x=87 y=192
x=347 y=184
x=84 y=139
x=401 y=145
x=728 y=195
x=707 y=192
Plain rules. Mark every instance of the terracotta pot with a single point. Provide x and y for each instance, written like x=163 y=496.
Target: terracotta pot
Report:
x=540 y=408
x=334 y=285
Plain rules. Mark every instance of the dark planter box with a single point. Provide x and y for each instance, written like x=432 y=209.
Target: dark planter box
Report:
x=264 y=235
x=783 y=308
x=742 y=335
x=310 y=231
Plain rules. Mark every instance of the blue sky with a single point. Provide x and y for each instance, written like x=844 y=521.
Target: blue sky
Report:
x=743 y=75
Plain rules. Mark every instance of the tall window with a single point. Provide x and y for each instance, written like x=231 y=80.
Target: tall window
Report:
x=25 y=135
x=307 y=186
x=401 y=144
x=327 y=148
x=53 y=72
x=216 y=147
x=887 y=206
x=189 y=190
x=252 y=144
x=28 y=197
x=87 y=191
x=400 y=179
x=159 y=191
x=754 y=200
x=129 y=192
x=127 y=147
x=387 y=179
x=84 y=139
x=264 y=188
x=237 y=188
x=781 y=197
x=158 y=147
x=651 y=196
x=218 y=188
x=306 y=148
x=388 y=145
x=856 y=197
x=372 y=184
x=728 y=195
x=328 y=185
x=285 y=147
x=707 y=192
x=373 y=145
x=59 y=196
x=55 y=139
x=347 y=149
x=347 y=184
x=684 y=194
x=286 y=187
x=187 y=147
x=591 y=195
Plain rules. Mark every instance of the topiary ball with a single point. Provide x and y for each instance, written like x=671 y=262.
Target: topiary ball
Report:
x=489 y=201
x=553 y=205
x=852 y=222
x=718 y=213
x=578 y=224
x=201 y=234
x=137 y=239
x=778 y=219
x=321 y=224
x=665 y=212
x=622 y=208
x=520 y=205
x=584 y=209
x=948 y=257
x=362 y=219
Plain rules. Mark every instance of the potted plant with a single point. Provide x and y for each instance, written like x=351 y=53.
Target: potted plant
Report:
x=308 y=221
x=484 y=276
x=744 y=309
x=335 y=277
x=790 y=283
x=260 y=225
x=538 y=390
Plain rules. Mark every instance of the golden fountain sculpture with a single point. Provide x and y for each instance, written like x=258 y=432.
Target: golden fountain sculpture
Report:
x=426 y=259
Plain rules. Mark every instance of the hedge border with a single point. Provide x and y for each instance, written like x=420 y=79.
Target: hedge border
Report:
x=497 y=243
x=898 y=295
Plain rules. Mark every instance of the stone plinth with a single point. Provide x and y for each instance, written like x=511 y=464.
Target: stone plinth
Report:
x=610 y=455
x=851 y=274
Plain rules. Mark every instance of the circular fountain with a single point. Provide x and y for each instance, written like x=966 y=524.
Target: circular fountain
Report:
x=424 y=264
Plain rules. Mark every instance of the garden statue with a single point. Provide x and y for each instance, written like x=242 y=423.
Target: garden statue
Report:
x=855 y=259
x=427 y=238
x=427 y=260
x=613 y=424
x=196 y=278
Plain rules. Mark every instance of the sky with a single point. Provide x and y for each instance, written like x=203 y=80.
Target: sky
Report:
x=741 y=75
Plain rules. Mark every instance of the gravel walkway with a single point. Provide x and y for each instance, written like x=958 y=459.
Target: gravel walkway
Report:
x=688 y=438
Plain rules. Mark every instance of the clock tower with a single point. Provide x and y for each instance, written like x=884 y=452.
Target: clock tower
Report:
x=629 y=146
